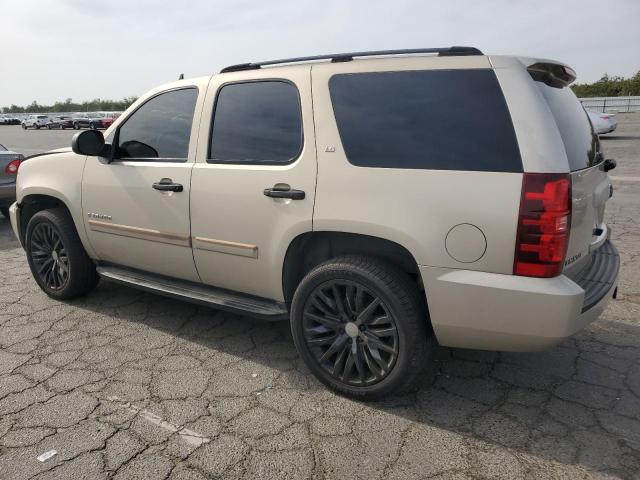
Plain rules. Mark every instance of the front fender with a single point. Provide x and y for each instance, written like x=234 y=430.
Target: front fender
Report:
x=57 y=175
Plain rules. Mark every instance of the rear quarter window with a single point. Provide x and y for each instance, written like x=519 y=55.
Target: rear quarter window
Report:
x=435 y=119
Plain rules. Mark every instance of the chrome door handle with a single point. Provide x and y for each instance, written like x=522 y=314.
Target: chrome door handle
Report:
x=284 y=191
x=167 y=185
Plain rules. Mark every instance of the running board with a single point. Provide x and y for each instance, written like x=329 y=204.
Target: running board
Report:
x=196 y=293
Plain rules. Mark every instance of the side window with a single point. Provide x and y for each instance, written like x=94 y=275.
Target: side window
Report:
x=256 y=122
x=429 y=119
x=160 y=128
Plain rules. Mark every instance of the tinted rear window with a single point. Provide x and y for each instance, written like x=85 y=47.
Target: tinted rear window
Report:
x=580 y=141
x=436 y=119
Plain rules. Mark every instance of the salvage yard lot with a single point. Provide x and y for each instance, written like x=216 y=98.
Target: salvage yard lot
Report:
x=127 y=384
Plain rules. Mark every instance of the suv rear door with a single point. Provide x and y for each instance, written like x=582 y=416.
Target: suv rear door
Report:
x=253 y=185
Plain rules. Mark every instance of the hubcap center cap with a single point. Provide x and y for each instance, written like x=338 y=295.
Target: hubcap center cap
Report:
x=351 y=329
x=54 y=255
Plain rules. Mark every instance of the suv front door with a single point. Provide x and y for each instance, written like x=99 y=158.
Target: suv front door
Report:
x=136 y=208
x=260 y=144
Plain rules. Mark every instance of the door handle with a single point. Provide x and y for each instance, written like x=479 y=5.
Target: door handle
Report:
x=282 y=190
x=167 y=185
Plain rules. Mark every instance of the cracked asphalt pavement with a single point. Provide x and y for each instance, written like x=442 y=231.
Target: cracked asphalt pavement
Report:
x=128 y=385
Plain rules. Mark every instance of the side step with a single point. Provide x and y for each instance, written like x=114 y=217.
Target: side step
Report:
x=196 y=293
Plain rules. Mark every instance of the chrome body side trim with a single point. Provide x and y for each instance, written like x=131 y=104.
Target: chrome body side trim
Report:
x=224 y=246
x=138 y=232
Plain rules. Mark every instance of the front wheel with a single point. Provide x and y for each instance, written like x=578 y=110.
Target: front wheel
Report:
x=360 y=327
x=57 y=259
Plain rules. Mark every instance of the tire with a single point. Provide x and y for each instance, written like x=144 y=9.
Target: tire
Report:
x=52 y=231
x=48 y=127
x=37 y=126
x=92 y=126
x=392 y=338
x=76 y=126
x=24 y=127
x=4 y=211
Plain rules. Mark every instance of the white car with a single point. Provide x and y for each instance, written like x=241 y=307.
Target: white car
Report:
x=603 y=122
x=35 y=121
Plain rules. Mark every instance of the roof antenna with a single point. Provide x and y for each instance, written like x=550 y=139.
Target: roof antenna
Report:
x=181 y=77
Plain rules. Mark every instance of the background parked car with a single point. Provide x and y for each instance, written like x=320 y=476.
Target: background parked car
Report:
x=90 y=120
x=603 y=122
x=35 y=121
x=9 y=120
x=61 y=122
x=9 y=164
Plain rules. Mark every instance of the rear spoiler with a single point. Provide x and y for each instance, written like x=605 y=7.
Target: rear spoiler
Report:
x=553 y=74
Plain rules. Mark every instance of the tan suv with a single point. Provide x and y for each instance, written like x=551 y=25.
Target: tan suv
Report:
x=378 y=200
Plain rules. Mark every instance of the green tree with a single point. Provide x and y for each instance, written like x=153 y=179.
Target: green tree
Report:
x=607 y=86
x=68 y=106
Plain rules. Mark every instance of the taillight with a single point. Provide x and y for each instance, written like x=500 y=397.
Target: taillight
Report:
x=543 y=225
x=12 y=167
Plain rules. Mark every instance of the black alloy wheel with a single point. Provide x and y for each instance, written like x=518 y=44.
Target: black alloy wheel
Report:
x=56 y=256
x=351 y=332
x=49 y=256
x=360 y=326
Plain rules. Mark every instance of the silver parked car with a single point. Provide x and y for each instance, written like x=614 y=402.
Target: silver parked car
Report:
x=603 y=122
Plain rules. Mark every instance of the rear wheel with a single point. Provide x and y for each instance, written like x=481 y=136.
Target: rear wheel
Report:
x=360 y=327
x=57 y=259
x=24 y=127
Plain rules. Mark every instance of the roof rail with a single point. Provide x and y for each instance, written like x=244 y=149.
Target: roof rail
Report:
x=347 y=57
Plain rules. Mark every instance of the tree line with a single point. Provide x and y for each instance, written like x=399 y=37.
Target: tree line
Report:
x=96 y=105
x=609 y=87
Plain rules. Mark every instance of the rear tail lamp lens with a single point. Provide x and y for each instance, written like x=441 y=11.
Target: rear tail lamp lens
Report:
x=543 y=225
x=12 y=167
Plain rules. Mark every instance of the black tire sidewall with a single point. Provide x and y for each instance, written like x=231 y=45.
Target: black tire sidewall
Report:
x=75 y=252
x=406 y=330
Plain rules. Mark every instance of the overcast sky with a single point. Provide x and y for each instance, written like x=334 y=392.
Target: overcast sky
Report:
x=54 y=49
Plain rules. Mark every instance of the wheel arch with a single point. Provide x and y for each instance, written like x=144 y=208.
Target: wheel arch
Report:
x=34 y=203
x=309 y=249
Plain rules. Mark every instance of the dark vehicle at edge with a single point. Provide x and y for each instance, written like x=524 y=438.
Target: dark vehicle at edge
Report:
x=9 y=164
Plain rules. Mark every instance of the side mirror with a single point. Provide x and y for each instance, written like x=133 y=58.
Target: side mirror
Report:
x=88 y=142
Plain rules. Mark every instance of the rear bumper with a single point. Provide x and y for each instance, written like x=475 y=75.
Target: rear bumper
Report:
x=7 y=194
x=491 y=311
